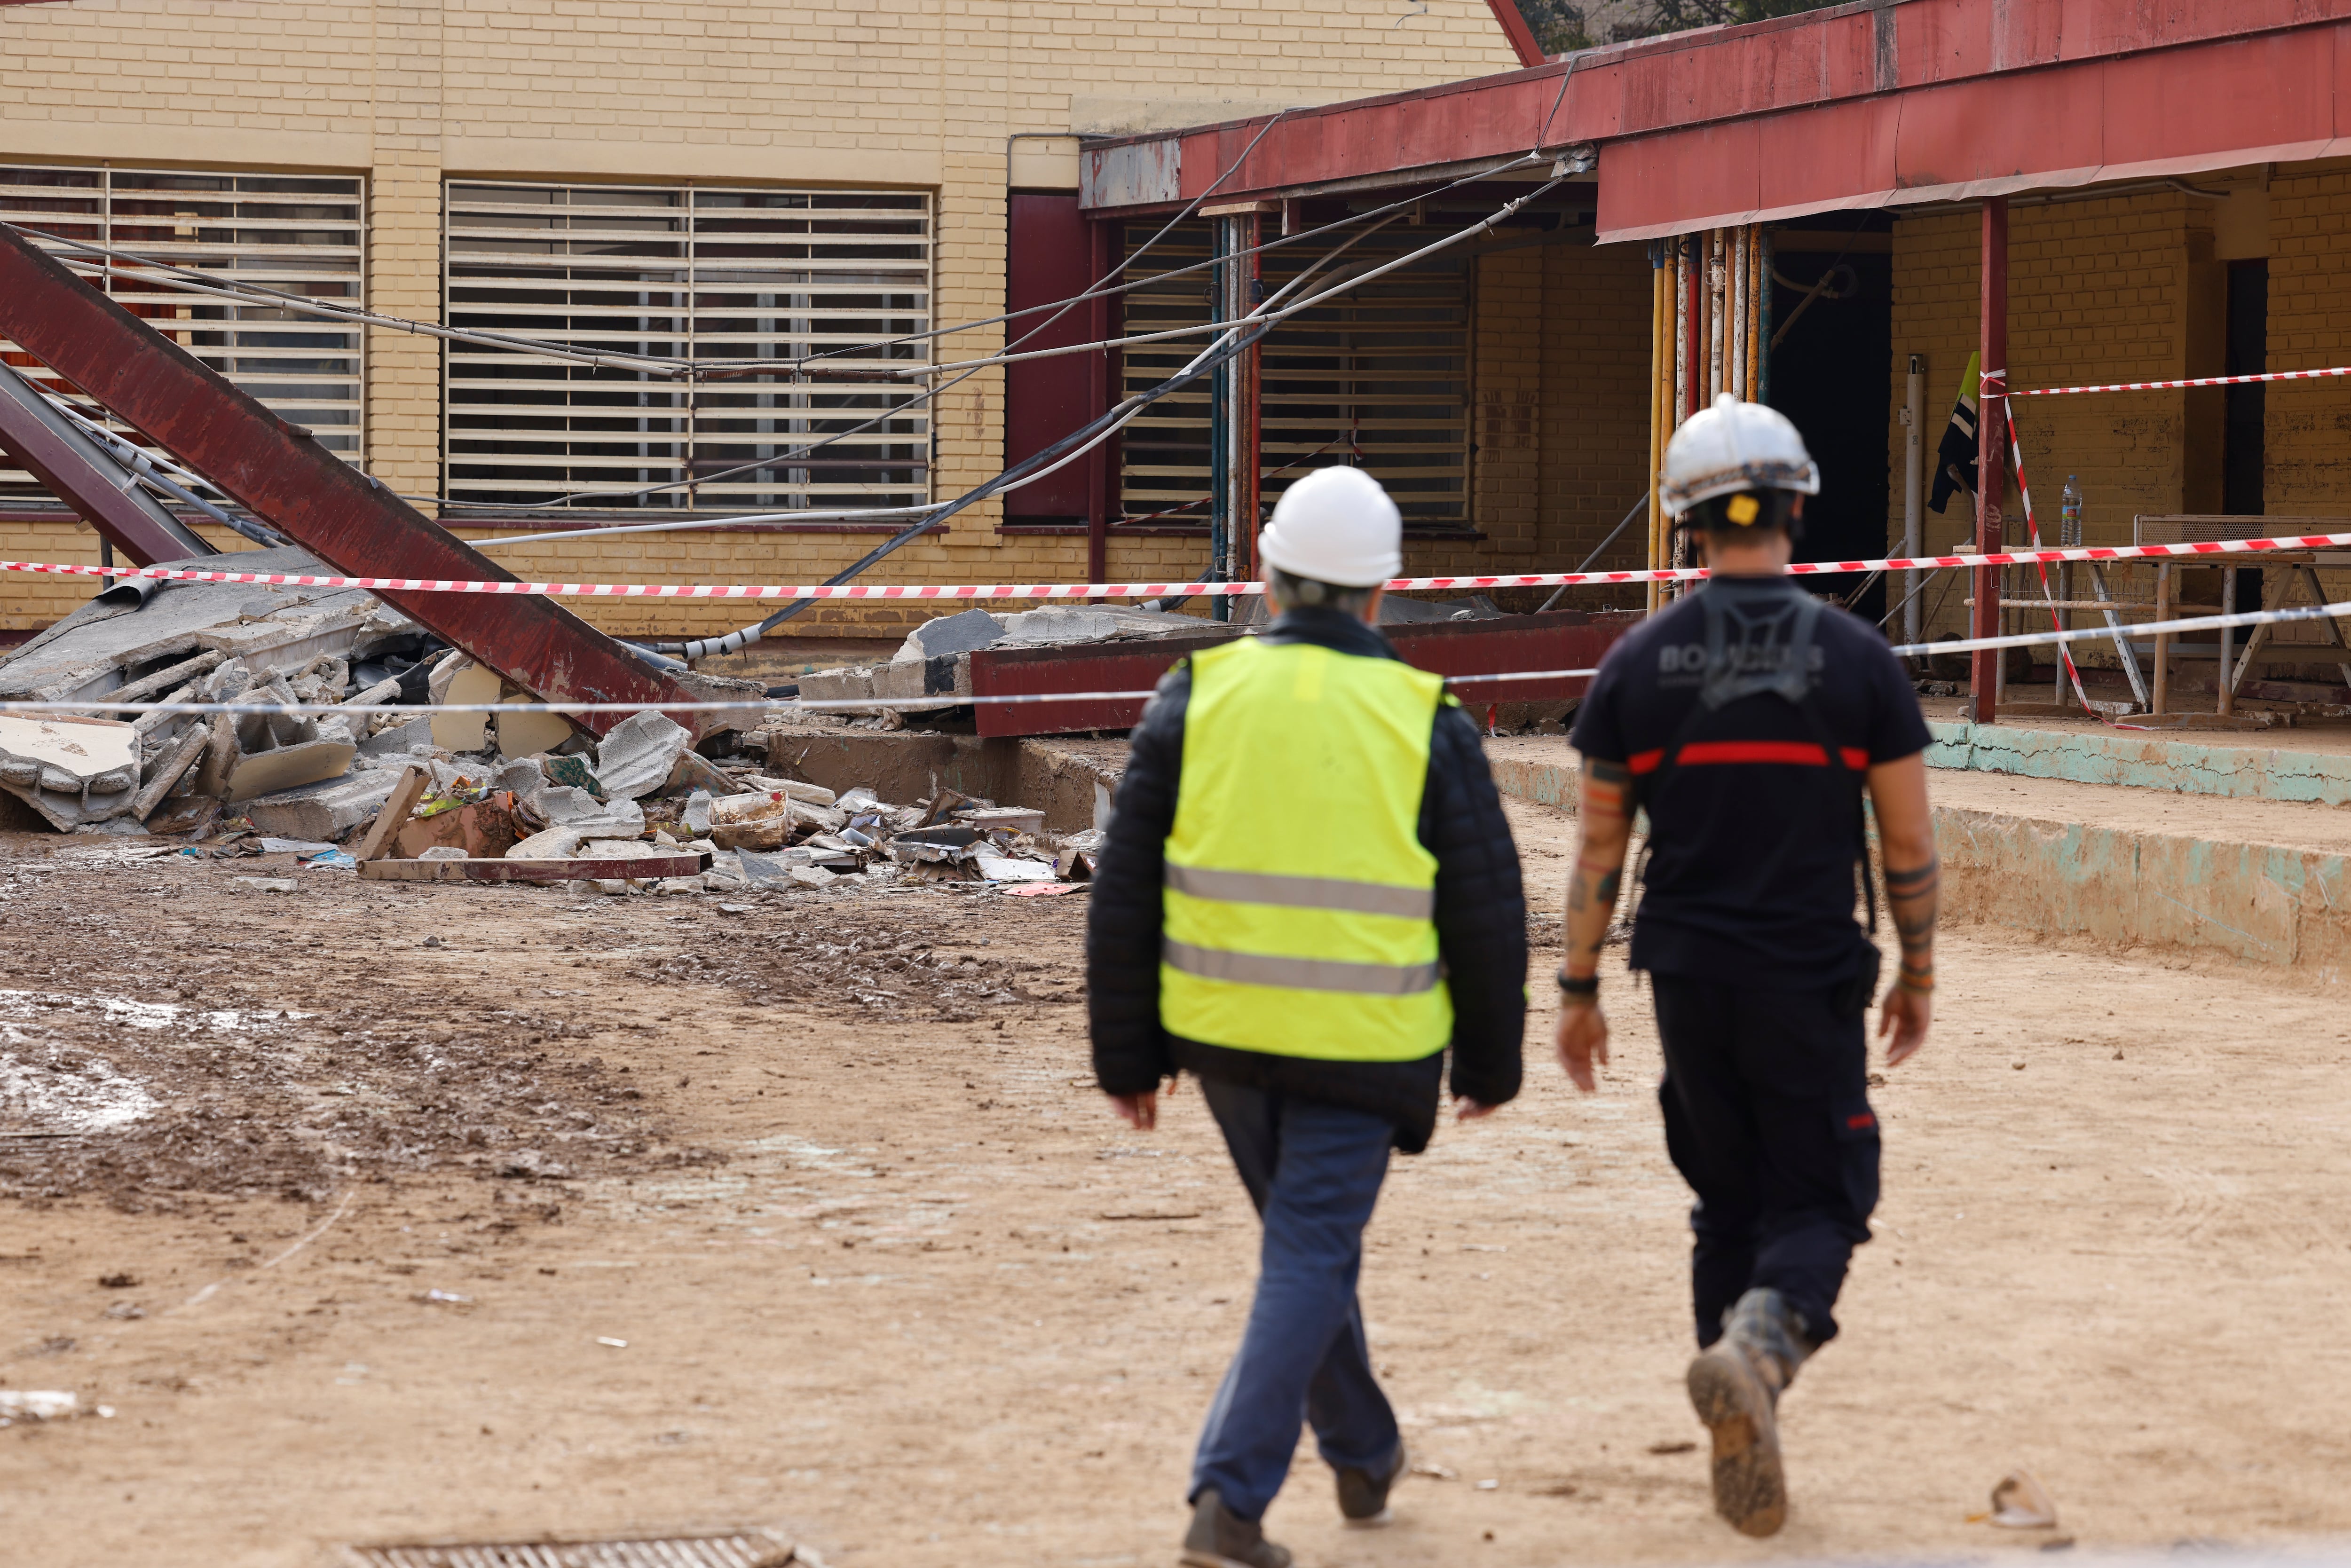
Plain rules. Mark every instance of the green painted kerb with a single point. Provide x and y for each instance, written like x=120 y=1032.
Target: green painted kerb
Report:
x=2120 y=757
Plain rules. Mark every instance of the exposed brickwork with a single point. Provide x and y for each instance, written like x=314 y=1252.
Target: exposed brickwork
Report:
x=1562 y=421
x=2308 y=439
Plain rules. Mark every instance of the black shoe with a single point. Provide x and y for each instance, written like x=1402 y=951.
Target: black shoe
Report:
x=1217 y=1539
x=1363 y=1497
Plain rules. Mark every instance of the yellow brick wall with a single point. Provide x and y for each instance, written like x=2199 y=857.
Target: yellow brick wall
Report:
x=1560 y=421
x=897 y=94
x=2307 y=436
x=2099 y=291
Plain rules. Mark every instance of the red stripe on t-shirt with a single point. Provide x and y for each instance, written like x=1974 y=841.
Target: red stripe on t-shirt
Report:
x=1801 y=753
x=1796 y=753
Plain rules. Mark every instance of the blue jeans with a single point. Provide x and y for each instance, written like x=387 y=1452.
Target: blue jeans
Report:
x=1313 y=1171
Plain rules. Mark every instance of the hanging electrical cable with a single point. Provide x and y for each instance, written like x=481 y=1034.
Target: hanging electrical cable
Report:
x=1239 y=335
x=157 y=472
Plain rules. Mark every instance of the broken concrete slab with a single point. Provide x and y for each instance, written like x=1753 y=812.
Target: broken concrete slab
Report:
x=1056 y=624
x=104 y=646
x=947 y=678
x=554 y=844
x=636 y=756
x=72 y=770
x=562 y=806
x=401 y=740
x=950 y=634
x=327 y=810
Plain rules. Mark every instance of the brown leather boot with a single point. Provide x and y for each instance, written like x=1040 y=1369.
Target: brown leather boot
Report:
x=1735 y=1385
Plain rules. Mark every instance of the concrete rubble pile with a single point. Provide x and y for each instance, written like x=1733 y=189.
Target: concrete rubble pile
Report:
x=313 y=778
x=149 y=641
x=515 y=796
x=645 y=793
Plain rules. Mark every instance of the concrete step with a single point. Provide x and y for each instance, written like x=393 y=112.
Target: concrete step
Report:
x=2106 y=865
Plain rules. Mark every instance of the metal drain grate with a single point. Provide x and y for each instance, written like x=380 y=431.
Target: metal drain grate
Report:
x=724 y=1549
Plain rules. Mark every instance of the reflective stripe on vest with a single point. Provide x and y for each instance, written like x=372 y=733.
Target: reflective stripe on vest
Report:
x=1299 y=902
x=1303 y=891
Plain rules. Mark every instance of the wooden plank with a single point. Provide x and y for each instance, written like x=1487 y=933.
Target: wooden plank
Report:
x=624 y=868
x=406 y=793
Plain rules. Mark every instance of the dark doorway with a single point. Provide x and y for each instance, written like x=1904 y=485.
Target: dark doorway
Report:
x=1830 y=375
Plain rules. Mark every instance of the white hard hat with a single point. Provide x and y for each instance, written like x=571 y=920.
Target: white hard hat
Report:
x=1335 y=526
x=1734 y=446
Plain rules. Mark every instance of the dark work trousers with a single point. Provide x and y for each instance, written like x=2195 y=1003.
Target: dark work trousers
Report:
x=1768 y=1119
x=1313 y=1171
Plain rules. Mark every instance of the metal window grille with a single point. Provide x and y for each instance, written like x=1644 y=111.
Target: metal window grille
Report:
x=297 y=233
x=693 y=273
x=1378 y=379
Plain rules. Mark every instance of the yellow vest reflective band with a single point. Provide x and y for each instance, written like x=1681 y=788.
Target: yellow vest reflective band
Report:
x=1300 y=901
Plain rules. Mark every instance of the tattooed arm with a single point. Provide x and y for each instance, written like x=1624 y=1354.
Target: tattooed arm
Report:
x=1906 y=833
x=1592 y=889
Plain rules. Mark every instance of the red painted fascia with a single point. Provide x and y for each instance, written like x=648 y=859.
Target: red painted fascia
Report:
x=1515 y=28
x=1712 y=76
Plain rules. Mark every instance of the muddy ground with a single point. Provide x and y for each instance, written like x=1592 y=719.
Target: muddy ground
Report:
x=889 y=1279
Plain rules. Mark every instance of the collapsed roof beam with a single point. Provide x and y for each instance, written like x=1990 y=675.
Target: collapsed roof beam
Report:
x=278 y=471
x=77 y=470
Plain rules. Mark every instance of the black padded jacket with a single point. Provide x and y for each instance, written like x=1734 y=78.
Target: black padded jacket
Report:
x=1481 y=922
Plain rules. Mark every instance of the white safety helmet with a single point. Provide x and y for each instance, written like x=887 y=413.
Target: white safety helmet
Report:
x=1731 y=447
x=1335 y=526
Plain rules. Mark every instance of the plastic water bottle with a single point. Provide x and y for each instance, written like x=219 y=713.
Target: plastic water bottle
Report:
x=2069 y=525
x=697 y=813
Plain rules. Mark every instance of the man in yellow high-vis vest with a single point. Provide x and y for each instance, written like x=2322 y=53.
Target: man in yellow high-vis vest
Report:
x=1308 y=895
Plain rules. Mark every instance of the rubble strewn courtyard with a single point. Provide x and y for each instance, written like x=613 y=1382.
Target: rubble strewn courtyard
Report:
x=484 y=1212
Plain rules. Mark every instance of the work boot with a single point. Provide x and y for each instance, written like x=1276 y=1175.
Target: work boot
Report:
x=1218 y=1539
x=1735 y=1385
x=1363 y=1495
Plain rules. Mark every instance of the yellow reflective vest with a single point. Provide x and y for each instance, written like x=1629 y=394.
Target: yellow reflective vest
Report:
x=1300 y=902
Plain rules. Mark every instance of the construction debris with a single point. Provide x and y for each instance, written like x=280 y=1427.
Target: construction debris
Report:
x=454 y=797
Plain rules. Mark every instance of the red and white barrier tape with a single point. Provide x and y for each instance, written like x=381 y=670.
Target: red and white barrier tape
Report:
x=999 y=591
x=1990 y=377
x=766 y=705
x=2340 y=610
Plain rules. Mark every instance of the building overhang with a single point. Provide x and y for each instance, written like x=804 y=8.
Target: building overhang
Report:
x=1881 y=103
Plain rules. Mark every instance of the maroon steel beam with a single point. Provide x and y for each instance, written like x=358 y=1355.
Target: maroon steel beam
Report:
x=343 y=516
x=1991 y=453
x=1558 y=639
x=86 y=476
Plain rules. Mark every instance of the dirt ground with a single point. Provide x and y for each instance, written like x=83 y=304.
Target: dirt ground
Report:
x=890 y=1280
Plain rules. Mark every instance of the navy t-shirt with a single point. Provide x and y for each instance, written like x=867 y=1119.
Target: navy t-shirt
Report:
x=1750 y=876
